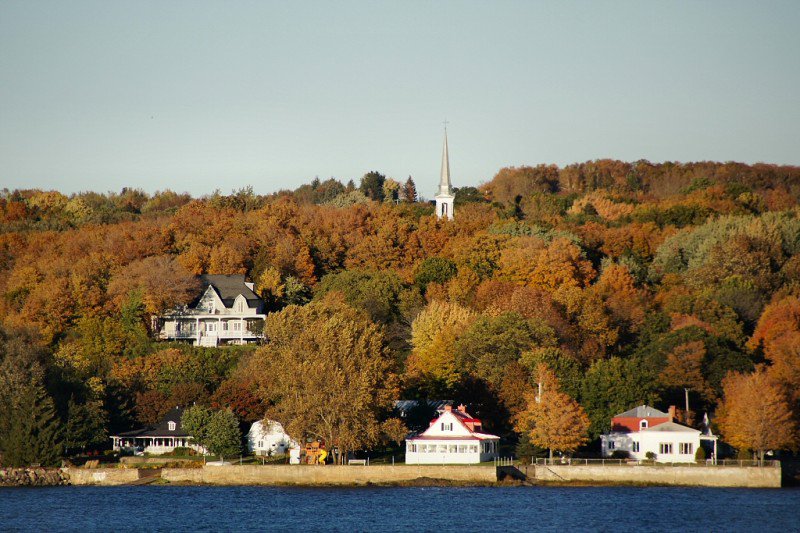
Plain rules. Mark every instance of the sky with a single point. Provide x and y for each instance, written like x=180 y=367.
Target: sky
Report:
x=201 y=95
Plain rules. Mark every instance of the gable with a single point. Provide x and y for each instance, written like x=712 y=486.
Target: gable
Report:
x=447 y=425
x=210 y=301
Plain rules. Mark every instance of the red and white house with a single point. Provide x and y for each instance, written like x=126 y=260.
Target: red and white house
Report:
x=454 y=437
x=645 y=429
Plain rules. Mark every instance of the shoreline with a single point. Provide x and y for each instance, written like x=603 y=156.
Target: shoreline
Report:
x=399 y=476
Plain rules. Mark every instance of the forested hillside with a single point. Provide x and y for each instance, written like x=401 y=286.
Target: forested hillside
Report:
x=616 y=283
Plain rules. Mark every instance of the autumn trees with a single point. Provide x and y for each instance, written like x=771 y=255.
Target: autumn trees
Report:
x=552 y=419
x=631 y=281
x=754 y=414
x=326 y=374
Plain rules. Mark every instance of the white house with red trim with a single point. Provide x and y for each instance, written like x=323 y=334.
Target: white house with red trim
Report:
x=454 y=437
x=644 y=430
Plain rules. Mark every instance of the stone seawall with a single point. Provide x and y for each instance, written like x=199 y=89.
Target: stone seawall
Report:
x=715 y=476
x=328 y=475
x=33 y=477
x=103 y=476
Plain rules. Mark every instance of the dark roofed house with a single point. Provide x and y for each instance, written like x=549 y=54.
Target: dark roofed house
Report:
x=163 y=437
x=225 y=311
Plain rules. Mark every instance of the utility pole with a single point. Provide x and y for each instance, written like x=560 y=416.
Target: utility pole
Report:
x=686 y=391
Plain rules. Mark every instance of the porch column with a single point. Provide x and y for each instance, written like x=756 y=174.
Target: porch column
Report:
x=241 y=330
x=197 y=329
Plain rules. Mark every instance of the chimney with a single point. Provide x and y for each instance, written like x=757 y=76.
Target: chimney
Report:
x=671 y=412
x=448 y=408
x=462 y=408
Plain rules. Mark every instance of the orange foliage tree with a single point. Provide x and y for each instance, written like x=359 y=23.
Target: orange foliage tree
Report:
x=754 y=414
x=553 y=420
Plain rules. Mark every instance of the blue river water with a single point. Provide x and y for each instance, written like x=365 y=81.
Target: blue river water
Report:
x=201 y=508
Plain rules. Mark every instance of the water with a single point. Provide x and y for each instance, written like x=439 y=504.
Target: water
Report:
x=172 y=508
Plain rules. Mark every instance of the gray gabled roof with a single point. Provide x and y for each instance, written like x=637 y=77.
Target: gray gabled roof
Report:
x=672 y=427
x=643 y=411
x=162 y=428
x=228 y=287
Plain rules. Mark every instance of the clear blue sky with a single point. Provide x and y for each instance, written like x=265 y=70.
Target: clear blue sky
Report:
x=198 y=95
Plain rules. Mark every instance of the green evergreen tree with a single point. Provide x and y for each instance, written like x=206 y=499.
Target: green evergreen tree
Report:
x=30 y=431
x=86 y=425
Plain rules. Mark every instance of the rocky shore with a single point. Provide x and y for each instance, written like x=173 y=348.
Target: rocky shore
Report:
x=33 y=477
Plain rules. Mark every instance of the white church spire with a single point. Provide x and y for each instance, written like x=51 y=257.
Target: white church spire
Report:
x=445 y=197
x=444 y=180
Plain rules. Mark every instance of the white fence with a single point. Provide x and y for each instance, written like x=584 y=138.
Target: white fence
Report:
x=572 y=461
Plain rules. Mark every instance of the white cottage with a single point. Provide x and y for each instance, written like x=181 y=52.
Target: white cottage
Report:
x=226 y=311
x=269 y=439
x=645 y=429
x=454 y=437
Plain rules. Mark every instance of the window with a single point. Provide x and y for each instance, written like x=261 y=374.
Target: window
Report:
x=643 y=424
x=686 y=448
x=447 y=427
x=453 y=448
x=665 y=447
x=462 y=448
x=473 y=448
x=443 y=448
x=635 y=446
x=261 y=444
x=611 y=445
x=237 y=326
x=171 y=425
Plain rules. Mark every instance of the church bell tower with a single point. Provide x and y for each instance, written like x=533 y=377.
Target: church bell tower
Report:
x=445 y=197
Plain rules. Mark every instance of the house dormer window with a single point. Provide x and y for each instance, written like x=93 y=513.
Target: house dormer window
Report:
x=447 y=427
x=171 y=425
x=643 y=424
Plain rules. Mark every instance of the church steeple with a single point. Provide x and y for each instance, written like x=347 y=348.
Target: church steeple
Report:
x=445 y=197
x=444 y=180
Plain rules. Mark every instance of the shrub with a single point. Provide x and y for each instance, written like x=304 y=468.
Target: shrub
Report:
x=700 y=454
x=183 y=450
x=650 y=456
x=620 y=454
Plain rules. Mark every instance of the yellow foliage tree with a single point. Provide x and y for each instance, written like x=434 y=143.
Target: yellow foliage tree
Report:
x=553 y=420
x=433 y=334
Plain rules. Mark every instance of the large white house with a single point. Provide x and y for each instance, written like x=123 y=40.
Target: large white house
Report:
x=269 y=439
x=454 y=437
x=226 y=311
x=644 y=430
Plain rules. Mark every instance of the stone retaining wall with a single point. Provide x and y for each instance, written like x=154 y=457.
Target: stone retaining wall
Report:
x=327 y=475
x=102 y=476
x=712 y=476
